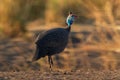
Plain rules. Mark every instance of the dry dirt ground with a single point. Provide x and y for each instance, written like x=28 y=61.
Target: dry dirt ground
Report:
x=92 y=54
x=61 y=75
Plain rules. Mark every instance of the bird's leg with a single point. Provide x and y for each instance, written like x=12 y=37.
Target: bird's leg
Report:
x=49 y=60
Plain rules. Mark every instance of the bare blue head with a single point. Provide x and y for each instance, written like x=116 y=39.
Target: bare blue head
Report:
x=70 y=19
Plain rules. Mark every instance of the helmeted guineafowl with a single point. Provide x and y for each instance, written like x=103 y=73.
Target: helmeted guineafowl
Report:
x=53 y=41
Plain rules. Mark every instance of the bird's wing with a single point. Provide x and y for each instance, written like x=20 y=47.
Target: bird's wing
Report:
x=53 y=38
x=40 y=35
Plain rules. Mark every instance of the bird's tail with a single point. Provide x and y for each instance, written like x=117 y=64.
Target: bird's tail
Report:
x=39 y=52
x=36 y=55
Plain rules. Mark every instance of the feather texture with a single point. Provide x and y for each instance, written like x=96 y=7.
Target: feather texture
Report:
x=51 y=42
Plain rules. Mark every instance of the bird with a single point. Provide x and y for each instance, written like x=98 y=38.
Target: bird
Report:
x=53 y=41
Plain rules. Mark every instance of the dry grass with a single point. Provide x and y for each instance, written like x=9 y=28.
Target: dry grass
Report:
x=14 y=15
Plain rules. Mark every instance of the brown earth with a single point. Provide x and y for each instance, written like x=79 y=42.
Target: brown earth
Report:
x=61 y=75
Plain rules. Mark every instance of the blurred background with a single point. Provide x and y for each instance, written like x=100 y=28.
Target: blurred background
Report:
x=94 y=39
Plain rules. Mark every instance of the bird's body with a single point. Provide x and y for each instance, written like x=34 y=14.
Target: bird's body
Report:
x=53 y=41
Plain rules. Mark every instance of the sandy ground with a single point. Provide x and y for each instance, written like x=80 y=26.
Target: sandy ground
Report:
x=61 y=75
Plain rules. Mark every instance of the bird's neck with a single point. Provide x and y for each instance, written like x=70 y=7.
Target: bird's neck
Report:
x=68 y=28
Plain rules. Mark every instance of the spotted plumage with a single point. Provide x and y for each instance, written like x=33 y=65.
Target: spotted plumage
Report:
x=52 y=42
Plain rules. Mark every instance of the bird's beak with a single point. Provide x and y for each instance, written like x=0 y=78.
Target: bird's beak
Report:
x=75 y=16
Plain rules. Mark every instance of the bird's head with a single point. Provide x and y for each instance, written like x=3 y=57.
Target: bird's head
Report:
x=70 y=19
